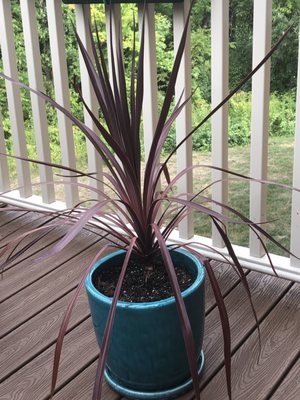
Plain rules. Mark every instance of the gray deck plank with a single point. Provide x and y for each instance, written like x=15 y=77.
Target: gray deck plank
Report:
x=81 y=388
x=265 y=292
x=40 y=294
x=7 y=217
x=290 y=387
x=18 y=225
x=33 y=380
x=227 y=279
x=253 y=379
x=28 y=270
x=35 y=335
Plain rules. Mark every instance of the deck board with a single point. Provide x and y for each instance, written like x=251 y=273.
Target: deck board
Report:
x=35 y=335
x=227 y=279
x=26 y=271
x=252 y=378
x=6 y=217
x=241 y=318
x=50 y=288
x=289 y=388
x=19 y=224
x=34 y=298
x=81 y=388
x=33 y=380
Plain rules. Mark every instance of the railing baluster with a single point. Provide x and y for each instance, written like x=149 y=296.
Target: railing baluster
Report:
x=62 y=94
x=295 y=221
x=184 y=120
x=82 y=26
x=4 y=175
x=219 y=72
x=33 y=57
x=262 y=29
x=13 y=98
x=150 y=73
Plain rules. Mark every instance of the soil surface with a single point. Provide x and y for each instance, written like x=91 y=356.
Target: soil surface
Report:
x=142 y=283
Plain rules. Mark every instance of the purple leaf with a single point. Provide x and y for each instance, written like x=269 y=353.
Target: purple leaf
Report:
x=109 y=326
x=182 y=313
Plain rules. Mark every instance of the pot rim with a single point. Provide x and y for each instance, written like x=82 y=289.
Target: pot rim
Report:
x=199 y=280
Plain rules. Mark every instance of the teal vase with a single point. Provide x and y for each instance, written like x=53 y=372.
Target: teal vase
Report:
x=147 y=357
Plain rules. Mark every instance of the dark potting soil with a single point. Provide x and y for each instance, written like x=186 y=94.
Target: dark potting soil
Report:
x=142 y=283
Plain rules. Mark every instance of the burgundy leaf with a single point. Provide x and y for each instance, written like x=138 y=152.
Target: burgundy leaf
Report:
x=109 y=326
x=182 y=313
x=66 y=319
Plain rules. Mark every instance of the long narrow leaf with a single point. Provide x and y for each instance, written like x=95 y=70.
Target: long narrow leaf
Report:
x=109 y=326
x=224 y=322
x=66 y=320
x=241 y=272
x=182 y=313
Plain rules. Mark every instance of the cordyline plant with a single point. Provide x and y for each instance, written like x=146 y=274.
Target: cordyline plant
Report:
x=135 y=216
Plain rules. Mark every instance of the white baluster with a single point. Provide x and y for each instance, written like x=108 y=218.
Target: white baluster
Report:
x=62 y=94
x=262 y=32
x=13 y=98
x=184 y=120
x=34 y=66
x=295 y=223
x=4 y=174
x=150 y=75
x=219 y=121
x=82 y=26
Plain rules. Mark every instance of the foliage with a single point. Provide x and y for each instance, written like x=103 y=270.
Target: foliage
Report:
x=201 y=51
x=281 y=120
x=282 y=114
x=284 y=63
x=164 y=52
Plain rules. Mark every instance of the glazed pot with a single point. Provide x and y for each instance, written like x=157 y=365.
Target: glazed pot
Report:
x=147 y=357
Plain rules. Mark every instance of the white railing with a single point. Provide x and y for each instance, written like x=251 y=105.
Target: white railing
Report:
x=252 y=257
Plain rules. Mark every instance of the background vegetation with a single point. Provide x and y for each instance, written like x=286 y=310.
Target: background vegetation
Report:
x=283 y=75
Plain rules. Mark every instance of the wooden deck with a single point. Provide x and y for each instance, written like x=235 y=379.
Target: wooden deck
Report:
x=33 y=298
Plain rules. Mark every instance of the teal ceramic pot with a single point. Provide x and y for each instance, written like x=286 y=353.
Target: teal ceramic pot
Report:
x=147 y=357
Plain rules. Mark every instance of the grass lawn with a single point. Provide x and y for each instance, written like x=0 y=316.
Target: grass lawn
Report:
x=278 y=201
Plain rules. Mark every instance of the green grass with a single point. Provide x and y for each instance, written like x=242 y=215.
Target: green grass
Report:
x=280 y=161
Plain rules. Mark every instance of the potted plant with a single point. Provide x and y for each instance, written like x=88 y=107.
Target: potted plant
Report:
x=160 y=327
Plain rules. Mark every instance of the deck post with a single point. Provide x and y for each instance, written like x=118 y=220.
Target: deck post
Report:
x=150 y=113
x=34 y=66
x=4 y=174
x=94 y=162
x=295 y=217
x=114 y=33
x=62 y=94
x=219 y=121
x=14 y=99
x=262 y=33
x=184 y=154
